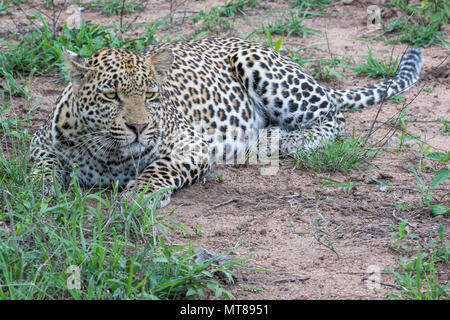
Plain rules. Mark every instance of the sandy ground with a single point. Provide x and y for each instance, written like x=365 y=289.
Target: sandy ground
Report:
x=314 y=242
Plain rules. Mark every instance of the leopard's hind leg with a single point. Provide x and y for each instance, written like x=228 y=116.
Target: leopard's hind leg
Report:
x=304 y=140
x=307 y=140
x=283 y=92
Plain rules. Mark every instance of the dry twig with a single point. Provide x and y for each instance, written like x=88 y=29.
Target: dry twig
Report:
x=226 y=202
x=303 y=278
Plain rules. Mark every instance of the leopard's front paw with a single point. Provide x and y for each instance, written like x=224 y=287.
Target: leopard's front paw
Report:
x=48 y=189
x=147 y=200
x=48 y=186
x=47 y=181
x=133 y=196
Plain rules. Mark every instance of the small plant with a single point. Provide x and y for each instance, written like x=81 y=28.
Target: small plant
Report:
x=291 y=25
x=298 y=57
x=233 y=7
x=400 y=206
x=376 y=68
x=40 y=51
x=199 y=230
x=418 y=280
x=398 y=98
x=444 y=251
x=420 y=25
x=212 y=21
x=11 y=125
x=216 y=20
x=400 y=123
x=121 y=251
x=323 y=69
x=426 y=197
x=342 y=154
x=414 y=33
x=399 y=234
x=439 y=156
x=12 y=87
x=425 y=192
x=424 y=150
x=317 y=230
x=445 y=127
x=312 y=5
x=115 y=7
x=4 y=7
x=270 y=42
x=417 y=276
x=435 y=12
x=327 y=69
x=440 y=176
x=429 y=11
x=347 y=187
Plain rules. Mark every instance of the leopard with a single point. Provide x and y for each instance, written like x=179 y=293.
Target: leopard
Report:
x=154 y=121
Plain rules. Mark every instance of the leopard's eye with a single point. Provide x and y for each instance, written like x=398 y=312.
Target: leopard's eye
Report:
x=151 y=95
x=111 y=95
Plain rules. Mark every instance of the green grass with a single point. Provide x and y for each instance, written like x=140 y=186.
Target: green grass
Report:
x=211 y=21
x=313 y=5
x=4 y=7
x=298 y=56
x=341 y=155
x=217 y=19
x=271 y=43
x=398 y=98
x=323 y=68
x=417 y=276
x=421 y=24
x=347 y=186
x=426 y=195
x=400 y=123
x=399 y=235
x=413 y=32
x=122 y=251
x=40 y=51
x=291 y=25
x=233 y=7
x=327 y=69
x=375 y=67
x=14 y=87
x=115 y=7
x=445 y=128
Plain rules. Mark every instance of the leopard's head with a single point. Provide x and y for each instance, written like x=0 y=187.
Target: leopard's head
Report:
x=115 y=97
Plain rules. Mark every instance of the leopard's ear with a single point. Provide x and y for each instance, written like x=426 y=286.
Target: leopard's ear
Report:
x=76 y=66
x=161 y=61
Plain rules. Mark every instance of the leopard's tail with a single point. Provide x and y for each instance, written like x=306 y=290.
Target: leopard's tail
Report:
x=408 y=75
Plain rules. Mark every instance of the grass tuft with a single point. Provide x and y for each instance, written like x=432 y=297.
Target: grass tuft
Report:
x=292 y=25
x=313 y=5
x=341 y=155
x=421 y=24
x=417 y=277
x=374 y=67
x=40 y=51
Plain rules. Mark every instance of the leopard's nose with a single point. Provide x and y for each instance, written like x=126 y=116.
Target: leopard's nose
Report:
x=137 y=128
